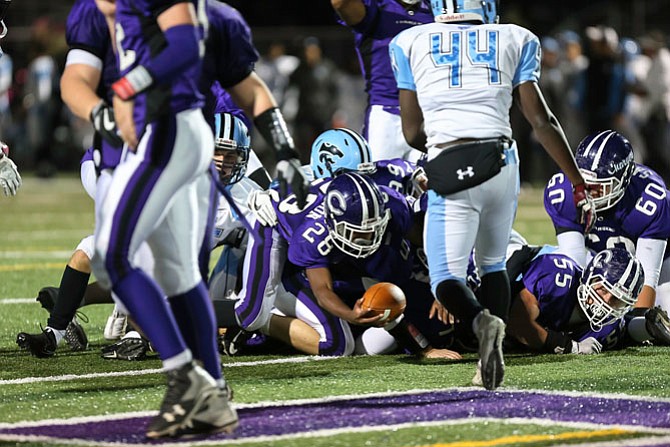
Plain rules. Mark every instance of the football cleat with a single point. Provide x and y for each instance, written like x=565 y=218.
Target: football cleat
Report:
x=192 y=405
x=490 y=332
x=116 y=326
x=40 y=345
x=131 y=347
x=477 y=379
x=75 y=336
x=658 y=325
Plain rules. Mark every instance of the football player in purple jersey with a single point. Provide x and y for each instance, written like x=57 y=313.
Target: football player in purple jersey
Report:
x=560 y=308
x=374 y=23
x=349 y=229
x=633 y=212
x=153 y=196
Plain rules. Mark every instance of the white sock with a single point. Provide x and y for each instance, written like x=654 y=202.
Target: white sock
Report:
x=57 y=333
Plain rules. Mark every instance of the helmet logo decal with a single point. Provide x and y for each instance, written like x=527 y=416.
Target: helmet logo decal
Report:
x=337 y=203
x=327 y=154
x=616 y=167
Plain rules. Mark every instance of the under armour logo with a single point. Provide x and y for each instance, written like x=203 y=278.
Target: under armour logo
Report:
x=470 y=172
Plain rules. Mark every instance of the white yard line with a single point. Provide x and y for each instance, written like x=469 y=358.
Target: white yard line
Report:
x=143 y=372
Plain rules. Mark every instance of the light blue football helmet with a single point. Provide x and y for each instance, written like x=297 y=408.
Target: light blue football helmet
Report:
x=231 y=147
x=446 y=11
x=338 y=150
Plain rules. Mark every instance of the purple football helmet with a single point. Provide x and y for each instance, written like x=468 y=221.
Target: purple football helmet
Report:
x=609 y=286
x=605 y=160
x=356 y=214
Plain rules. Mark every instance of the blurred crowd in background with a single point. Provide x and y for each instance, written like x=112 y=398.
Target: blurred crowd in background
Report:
x=595 y=76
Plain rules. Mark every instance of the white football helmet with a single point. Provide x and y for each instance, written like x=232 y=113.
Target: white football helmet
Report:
x=484 y=11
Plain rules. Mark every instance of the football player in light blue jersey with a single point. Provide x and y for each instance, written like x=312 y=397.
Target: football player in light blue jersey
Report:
x=457 y=79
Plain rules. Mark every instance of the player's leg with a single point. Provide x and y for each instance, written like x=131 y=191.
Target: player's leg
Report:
x=383 y=131
x=261 y=275
x=321 y=333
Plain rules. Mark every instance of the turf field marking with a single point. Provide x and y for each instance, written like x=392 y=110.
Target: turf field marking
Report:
x=525 y=439
x=142 y=372
x=600 y=430
x=33 y=266
x=55 y=254
x=17 y=300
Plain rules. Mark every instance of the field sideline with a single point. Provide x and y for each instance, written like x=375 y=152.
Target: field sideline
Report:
x=618 y=398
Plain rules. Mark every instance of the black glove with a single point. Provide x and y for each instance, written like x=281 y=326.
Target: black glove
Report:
x=290 y=173
x=102 y=117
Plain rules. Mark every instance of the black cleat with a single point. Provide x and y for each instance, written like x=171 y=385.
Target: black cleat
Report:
x=128 y=348
x=658 y=325
x=47 y=297
x=75 y=336
x=40 y=345
x=192 y=405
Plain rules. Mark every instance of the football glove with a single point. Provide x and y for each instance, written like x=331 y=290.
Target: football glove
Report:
x=587 y=346
x=260 y=203
x=102 y=117
x=10 y=179
x=586 y=210
x=292 y=178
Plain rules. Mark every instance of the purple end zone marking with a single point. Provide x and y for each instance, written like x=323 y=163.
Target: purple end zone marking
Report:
x=375 y=411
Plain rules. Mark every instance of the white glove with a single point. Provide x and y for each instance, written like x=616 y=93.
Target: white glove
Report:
x=587 y=346
x=9 y=176
x=260 y=203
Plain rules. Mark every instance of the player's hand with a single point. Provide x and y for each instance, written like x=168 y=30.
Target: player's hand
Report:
x=290 y=174
x=260 y=203
x=586 y=210
x=10 y=179
x=437 y=310
x=102 y=117
x=434 y=353
x=587 y=346
x=366 y=317
x=123 y=115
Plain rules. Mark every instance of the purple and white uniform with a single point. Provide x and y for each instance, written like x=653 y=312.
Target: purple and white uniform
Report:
x=553 y=279
x=154 y=192
x=383 y=20
x=639 y=222
x=302 y=238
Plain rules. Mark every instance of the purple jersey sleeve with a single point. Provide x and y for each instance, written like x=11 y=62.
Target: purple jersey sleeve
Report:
x=383 y=20
x=559 y=204
x=553 y=280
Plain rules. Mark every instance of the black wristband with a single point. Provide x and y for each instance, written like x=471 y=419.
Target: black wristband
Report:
x=273 y=128
x=557 y=343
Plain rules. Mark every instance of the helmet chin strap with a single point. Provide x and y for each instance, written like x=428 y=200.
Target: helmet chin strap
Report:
x=3 y=33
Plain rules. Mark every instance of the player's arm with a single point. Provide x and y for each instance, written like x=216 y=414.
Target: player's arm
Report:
x=522 y=321
x=78 y=86
x=182 y=50
x=321 y=283
x=549 y=133
x=650 y=253
x=352 y=12
x=412 y=119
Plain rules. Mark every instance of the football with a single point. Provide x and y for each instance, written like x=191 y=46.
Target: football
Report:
x=385 y=298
